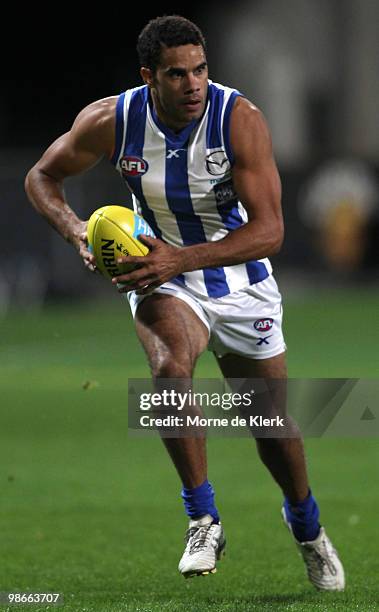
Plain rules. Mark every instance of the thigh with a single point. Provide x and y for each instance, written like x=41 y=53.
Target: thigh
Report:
x=249 y=323
x=170 y=332
x=268 y=378
x=236 y=366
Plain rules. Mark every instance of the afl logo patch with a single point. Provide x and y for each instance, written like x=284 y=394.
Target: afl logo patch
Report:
x=264 y=325
x=133 y=166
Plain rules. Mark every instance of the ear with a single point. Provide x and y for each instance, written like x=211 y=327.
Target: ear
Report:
x=147 y=76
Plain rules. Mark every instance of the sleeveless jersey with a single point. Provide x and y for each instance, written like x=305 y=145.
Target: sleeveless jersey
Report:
x=181 y=182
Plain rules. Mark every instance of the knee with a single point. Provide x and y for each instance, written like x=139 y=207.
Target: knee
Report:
x=272 y=446
x=172 y=367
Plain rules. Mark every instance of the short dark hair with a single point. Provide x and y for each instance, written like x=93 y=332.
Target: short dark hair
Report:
x=169 y=31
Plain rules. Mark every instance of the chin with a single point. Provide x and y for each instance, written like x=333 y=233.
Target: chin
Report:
x=194 y=114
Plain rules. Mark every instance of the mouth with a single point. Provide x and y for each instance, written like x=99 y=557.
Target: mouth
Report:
x=192 y=104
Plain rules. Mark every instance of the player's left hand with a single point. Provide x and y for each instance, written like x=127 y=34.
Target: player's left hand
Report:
x=152 y=270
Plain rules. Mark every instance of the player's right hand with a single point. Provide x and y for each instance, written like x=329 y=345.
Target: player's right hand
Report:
x=80 y=241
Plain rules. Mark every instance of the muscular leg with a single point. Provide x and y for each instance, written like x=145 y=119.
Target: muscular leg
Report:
x=173 y=338
x=284 y=457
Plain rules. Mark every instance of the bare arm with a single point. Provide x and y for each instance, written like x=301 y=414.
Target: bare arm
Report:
x=90 y=138
x=257 y=184
x=256 y=181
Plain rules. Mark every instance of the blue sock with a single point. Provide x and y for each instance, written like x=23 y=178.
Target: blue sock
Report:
x=303 y=517
x=200 y=501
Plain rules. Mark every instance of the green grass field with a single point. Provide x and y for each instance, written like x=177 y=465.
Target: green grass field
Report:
x=94 y=514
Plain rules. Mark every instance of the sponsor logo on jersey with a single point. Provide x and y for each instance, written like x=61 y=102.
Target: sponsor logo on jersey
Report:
x=216 y=181
x=173 y=153
x=264 y=325
x=224 y=192
x=132 y=165
x=142 y=227
x=217 y=163
x=263 y=340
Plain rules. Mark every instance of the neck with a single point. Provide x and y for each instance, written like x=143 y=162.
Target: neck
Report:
x=175 y=126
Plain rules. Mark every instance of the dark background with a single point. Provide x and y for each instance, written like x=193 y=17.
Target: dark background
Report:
x=65 y=59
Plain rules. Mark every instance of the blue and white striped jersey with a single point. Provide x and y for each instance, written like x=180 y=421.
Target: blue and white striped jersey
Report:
x=181 y=183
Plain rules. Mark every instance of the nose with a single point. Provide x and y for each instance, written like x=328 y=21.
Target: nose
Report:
x=191 y=84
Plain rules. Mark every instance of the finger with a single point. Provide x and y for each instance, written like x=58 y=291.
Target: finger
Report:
x=88 y=256
x=134 y=285
x=148 y=289
x=124 y=288
x=90 y=266
x=130 y=285
x=133 y=276
x=131 y=259
x=148 y=241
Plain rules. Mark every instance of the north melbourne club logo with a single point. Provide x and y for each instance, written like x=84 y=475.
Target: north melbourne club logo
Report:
x=217 y=163
x=131 y=165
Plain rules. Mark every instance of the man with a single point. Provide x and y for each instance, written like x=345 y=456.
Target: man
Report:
x=209 y=187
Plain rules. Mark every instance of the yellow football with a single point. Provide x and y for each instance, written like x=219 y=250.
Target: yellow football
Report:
x=113 y=231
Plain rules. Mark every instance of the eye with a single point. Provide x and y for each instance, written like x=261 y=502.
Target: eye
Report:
x=176 y=74
x=200 y=69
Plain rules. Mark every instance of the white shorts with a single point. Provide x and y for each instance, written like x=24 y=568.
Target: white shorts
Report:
x=247 y=322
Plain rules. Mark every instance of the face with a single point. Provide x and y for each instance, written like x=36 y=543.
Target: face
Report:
x=179 y=85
